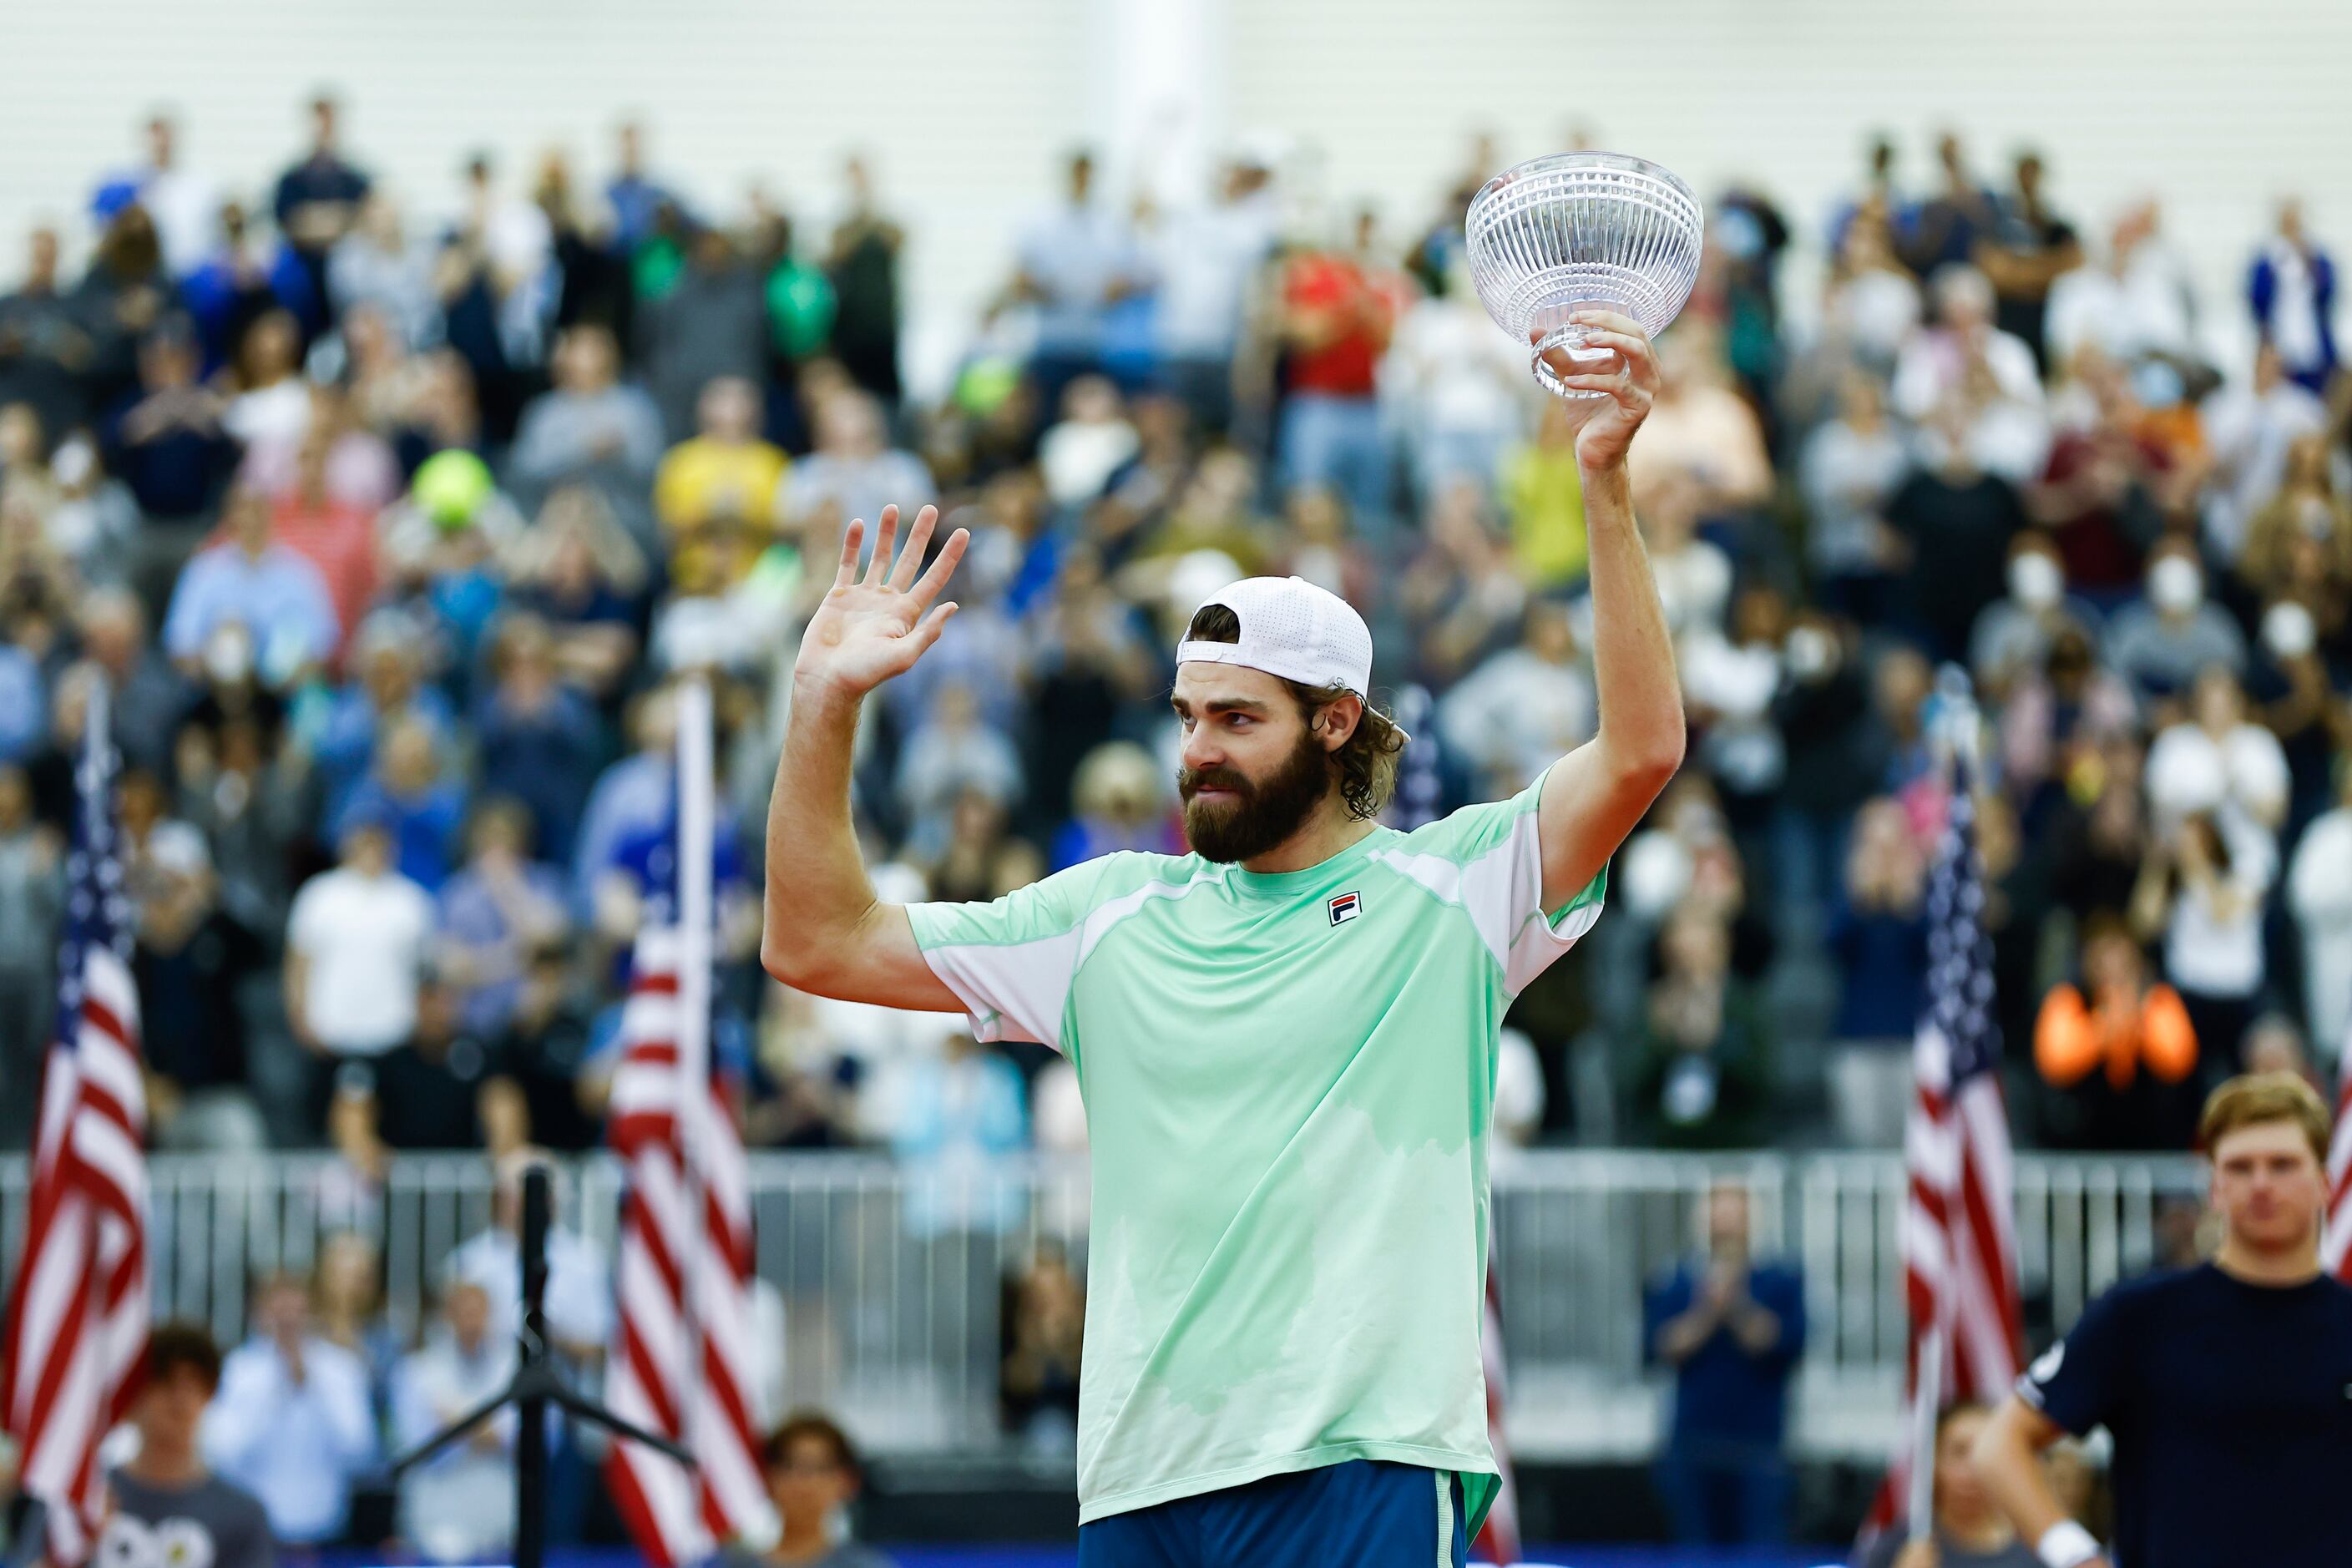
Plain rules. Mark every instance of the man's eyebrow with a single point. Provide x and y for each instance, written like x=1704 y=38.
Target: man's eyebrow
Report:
x=1233 y=705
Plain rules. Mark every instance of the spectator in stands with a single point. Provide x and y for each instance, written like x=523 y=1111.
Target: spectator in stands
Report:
x=47 y=348
x=2028 y=249
x=502 y=906
x=1703 y=430
x=2202 y=889
x=1044 y=1331
x=2118 y=1051
x=2132 y=306
x=540 y=741
x=317 y=201
x=582 y=576
x=2252 y=431
x=1945 y=228
x=146 y=697
x=169 y=444
x=1964 y=354
x=268 y=594
x=165 y=1502
x=1075 y=263
x=1878 y=931
x=814 y=1477
x=192 y=961
x=2218 y=760
x=407 y=792
x=387 y=686
x=1970 y=1530
x=1732 y=1329
x=2162 y=643
x=347 y=1301
x=579 y=1285
x=2305 y=520
x=2012 y=635
x=957 y=1116
x=711 y=323
x=355 y=951
x=592 y=430
x=458 y=1506
x=1849 y=467
x=32 y=899
x=1955 y=520
x=1704 y=1079
x=1335 y=323
x=2319 y=896
x=292 y=1422
x=433 y=1087
x=863 y=264
x=853 y=473
x=2292 y=288
x=724 y=479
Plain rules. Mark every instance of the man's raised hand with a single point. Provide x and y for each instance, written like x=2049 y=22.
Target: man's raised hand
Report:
x=871 y=627
x=1629 y=383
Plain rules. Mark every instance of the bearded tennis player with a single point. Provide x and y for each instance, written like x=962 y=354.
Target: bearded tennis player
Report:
x=1285 y=1040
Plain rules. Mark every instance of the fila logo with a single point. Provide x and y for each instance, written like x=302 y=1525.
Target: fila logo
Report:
x=1346 y=906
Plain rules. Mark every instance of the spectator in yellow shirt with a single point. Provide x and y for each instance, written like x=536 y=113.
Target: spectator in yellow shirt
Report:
x=723 y=480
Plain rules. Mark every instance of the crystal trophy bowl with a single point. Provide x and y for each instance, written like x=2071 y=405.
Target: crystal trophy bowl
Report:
x=1581 y=231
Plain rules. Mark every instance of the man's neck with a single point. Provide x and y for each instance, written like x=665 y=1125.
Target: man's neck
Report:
x=2274 y=1267
x=1326 y=833
x=800 y=1546
x=172 y=1468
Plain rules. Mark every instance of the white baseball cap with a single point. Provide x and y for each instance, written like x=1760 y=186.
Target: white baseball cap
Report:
x=1291 y=628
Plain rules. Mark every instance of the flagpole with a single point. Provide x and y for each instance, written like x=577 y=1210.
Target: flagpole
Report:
x=694 y=920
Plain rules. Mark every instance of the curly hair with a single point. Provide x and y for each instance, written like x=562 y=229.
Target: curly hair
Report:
x=1365 y=765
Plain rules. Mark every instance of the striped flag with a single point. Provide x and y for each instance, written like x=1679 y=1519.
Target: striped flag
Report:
x=682 y=1358
x=76 y=1336
x=1959 y=1236
x=2336 y=1238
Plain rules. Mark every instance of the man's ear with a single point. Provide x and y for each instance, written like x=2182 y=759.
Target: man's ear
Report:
x=1338 y=720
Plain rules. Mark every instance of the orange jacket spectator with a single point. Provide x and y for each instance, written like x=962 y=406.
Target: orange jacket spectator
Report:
x=2121 y=1031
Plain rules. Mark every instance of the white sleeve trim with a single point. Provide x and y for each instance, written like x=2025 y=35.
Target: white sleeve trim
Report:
x=1011 y=991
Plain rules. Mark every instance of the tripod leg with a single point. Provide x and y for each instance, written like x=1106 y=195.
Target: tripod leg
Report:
x=596 y=1415
x=452 y=1432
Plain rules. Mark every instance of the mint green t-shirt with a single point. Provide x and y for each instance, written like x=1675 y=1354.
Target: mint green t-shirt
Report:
x=1289 y=1081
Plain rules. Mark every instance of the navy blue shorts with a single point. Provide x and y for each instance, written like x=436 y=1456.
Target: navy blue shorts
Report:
x=1366 y=1513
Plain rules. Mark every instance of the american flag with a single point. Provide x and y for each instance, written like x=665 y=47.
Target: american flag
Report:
x=682 y=1355
x=1418 y=794
x=1959 y=1236
x=75 y=1337
x=2335 y=1240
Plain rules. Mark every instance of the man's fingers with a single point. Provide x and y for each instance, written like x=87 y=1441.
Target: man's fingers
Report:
x=1640 y=358
x=927 y=630
x=1607 y=320
x=878 y=569
x=911 y=559
x=928 y=589
x=851 y=538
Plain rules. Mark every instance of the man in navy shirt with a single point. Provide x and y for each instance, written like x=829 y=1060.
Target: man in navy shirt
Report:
x=2227 y=1387
x=1732 y=1330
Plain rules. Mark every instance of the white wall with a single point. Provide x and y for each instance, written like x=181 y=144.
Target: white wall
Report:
x=2219 y=107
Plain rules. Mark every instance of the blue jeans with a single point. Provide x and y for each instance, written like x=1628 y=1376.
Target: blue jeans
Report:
x=1724 y=1495
x=1366 y=1513
x=1336 y=444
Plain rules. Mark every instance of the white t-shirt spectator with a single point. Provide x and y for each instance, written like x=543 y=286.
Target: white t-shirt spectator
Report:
x=1934 y=363
x=364 y=938
x=2244 y=772
x=2319 y=892
x=2212 y=954
x=2143 y=311
x=1206 y=259
x=295 y=1446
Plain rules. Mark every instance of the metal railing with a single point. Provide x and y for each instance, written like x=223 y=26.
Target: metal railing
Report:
x=891 y=1278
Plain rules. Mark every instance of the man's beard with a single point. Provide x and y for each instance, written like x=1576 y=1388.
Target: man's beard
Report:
x=1260 y=815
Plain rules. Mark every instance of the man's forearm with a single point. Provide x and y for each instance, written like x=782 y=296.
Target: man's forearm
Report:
x=2008 y=1457
x=1641 y=702
x=817 y=889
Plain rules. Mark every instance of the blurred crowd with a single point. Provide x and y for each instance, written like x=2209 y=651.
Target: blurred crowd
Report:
x=391 y=529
